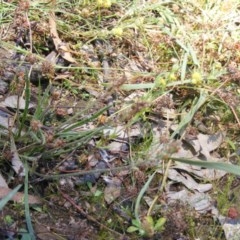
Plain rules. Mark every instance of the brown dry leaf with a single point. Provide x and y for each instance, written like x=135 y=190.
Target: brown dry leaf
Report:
x=51 y=57
x=111 y=193
x=18 y=197
x=113 y=189
x=60 y=46
x=63 y=76
x=116 y=147
x=17 y=164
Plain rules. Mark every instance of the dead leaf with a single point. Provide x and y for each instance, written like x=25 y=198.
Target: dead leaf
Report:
x=4 y=122
x=113 y=189
x=19 y=197
x=231 y=228
x=16 y=101
x=201 y=202
x=3 y=182
x=64 y=51
x=188 y=181
x=111 y=193
x=205 y=174
x=60 y=46
x=63 y=76
x=3 y=87
x=115 y=147
x=17 y=164
x=207 y=143
x=51 y=57
x=123 y=132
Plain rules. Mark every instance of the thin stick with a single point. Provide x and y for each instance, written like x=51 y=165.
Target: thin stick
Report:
x=89 y=218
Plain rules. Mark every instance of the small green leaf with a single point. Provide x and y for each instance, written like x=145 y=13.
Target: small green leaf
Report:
x=132 y=229
x=160 y=224
x=26 y=236
x=37 y=208
x=149 y=220
x=231 y=143
x=148 y=226
x=97 y=193
x=8 y=220
x=142 y=232
x=136 y=223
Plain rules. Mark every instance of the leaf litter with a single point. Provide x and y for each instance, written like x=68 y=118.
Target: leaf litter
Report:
x=133 y=98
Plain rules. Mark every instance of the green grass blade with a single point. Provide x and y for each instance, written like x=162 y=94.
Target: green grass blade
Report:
x=184 y=66
x=140 y=195
x=234 y=169
x=26 y=205
x=189 y=116
x=27 y=101
x=139 y=86
x=193 y=55
x=85 y=120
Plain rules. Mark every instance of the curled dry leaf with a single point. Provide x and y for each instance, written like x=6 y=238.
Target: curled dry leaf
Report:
x=199 y=172
x=51 y=57
x=61 y=47
x=188 y=181
x=17 y=164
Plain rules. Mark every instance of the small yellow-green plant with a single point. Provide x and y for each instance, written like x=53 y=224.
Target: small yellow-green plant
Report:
x=147 y=227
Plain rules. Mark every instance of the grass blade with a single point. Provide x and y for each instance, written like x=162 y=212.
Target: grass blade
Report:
x=139 y=86
x=189 y=116
x=211 y=165
x=27 y=101
x=26 y=205
x=184 y=66
x=193 y=55
x=86 y=120
x=140 y=195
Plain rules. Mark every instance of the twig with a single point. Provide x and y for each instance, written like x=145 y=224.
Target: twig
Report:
x=89 y=218
x=235 y=115
x=80 y=173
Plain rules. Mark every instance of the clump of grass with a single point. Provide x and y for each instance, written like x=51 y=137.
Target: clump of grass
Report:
x=178 y=49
